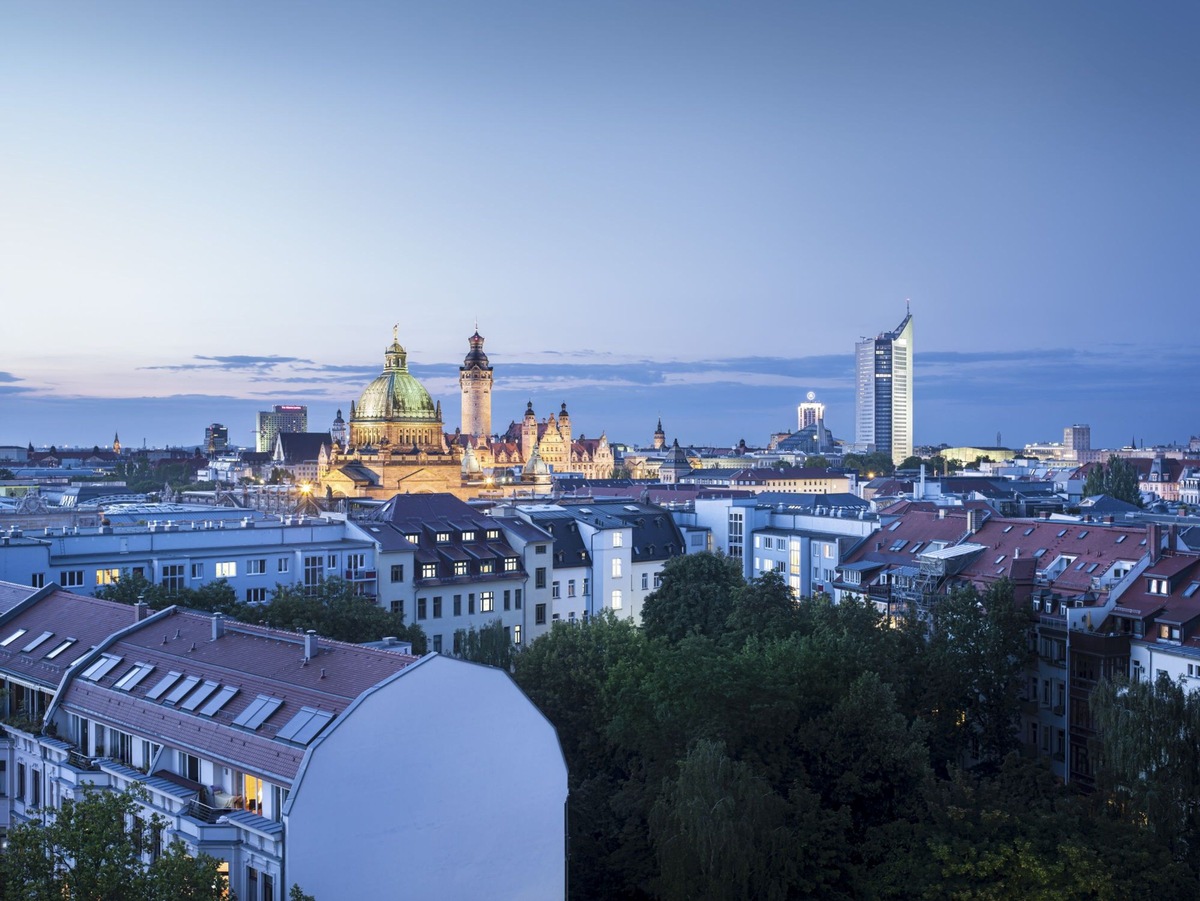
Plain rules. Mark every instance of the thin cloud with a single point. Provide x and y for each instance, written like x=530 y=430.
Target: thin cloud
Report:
x=233 y=363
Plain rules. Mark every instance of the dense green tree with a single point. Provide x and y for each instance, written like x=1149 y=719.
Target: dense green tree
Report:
x=764 y=608
x=332 y=608
x=976 y=657
x=869 y=465
x=695 y=597
x=720 y=831
x=1117 y=479
x=817 y=461
x=216 y=597
x=1147 y=756
x=6 y=474
x=490 y=644
x=89 y=849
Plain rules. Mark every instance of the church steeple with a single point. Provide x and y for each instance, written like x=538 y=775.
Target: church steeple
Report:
x=116 y=443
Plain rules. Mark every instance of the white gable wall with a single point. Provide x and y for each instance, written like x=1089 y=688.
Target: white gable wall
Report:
x=443 y=782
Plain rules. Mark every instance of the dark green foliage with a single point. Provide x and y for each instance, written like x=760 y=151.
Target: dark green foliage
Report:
x=975 y=660
x=213 y=597
x=488 y=644
x=334 y=610
x=1117 y=479
x=87 y=850
x=1148 y=757
x=810 y=750
x=695 y=597
x=869 y=465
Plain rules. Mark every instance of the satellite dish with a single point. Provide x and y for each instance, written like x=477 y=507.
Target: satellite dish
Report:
x=812 y=395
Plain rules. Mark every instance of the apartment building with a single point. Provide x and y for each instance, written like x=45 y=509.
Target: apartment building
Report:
x=256 y=746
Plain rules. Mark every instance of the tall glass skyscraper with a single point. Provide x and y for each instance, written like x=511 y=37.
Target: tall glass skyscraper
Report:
x=282 y=418
x=883 y=408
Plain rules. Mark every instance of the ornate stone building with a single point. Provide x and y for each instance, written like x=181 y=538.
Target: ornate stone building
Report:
x=397 y=441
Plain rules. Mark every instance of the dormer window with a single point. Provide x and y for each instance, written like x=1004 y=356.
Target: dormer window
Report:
x=1159 y=586
x=468 y=536
x=442 y=537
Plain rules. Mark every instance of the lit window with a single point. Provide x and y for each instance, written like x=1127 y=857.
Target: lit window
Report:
x=428 y=570
x=616 y=599
x=107 y=576
x=510 y=564
x=442 y=538
x=227 y=570
x=468 y=536
x=487 y=601
x=616 y=567
x=460 y=568
x=516 y=634
x=618 y=539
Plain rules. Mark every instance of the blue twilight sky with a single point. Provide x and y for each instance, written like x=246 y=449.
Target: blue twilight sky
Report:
x=690 y=210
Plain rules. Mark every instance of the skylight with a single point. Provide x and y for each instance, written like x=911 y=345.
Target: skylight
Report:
x=1007 y=529
x=139 y=672
x=182 y=689
x=60 y=647
x=894 y=526
x=12 y=638
x=33 y=644
x=1029 y=531
x=1082 y=534
x=1062 y=533
x=1000 y=559
x=197 y=697
x=1121 y=538
x=1191 y=589
x=101 y=667
x=162 y=685
x=305 y=725
x=258 y=712
x=221 y=699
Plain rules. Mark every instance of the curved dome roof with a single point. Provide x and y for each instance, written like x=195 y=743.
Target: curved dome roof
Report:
x=475 y=356
x=395 y=395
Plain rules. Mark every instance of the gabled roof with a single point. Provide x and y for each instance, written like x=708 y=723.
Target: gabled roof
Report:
x=247 y=698
x=60 y=617
x=302 y=447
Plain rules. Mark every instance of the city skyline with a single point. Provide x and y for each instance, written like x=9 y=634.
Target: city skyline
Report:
x=650 y=210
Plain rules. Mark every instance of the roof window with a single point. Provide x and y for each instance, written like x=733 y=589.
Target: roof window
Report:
x=101 y=667
x=12 y=638
x=305 y=725
x=37 y=641
x=139 y=672
x=221 y=699
x=258 y=712
x=60 y=647
x=162 y=685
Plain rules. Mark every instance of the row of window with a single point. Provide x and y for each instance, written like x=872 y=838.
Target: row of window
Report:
x=173 y=576
x=459 y=568
x=432 y=608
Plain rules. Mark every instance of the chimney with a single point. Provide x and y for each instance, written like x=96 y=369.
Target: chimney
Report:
x=140 y=610
x=972 y=522
x=1154 y=541
x=218 y=626
x=310 y=644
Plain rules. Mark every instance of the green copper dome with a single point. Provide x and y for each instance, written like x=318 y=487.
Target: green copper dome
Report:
x=396 y=395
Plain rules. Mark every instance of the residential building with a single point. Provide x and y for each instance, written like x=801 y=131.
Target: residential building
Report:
x=884 y=392
x=448 y=567
x=802 y=537
x=253 y=554
x=251 y=743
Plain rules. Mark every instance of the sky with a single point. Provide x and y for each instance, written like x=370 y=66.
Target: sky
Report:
x=681 y=210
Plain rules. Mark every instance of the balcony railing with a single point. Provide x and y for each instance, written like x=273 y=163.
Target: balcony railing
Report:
x=360 y=575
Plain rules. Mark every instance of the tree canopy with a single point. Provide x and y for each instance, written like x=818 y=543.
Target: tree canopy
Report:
x=91 y=848
x=1117 y=479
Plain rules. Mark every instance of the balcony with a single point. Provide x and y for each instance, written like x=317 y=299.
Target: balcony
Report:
x=360 y=575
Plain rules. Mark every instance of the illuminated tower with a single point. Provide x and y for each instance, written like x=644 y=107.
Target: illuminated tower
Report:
x=883 y=391
x=810 y=412
x=475 y=380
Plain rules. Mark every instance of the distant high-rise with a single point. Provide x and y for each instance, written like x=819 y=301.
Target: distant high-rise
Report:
x=216 y=438
x=281 y=418
x=883 y=392
x=1076 y=438
x=810 y=412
